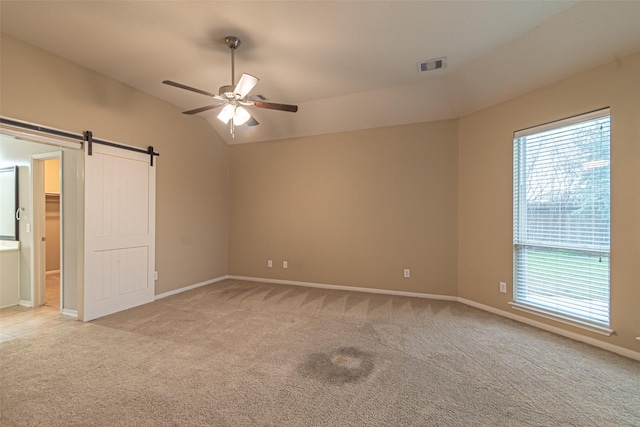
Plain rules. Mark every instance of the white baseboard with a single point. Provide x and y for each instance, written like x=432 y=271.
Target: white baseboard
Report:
x=558 y=331
x=69 y=312
x=188 y=288
x=596 y=343
x=7 y=306
x=25 y=303
x=345 y=288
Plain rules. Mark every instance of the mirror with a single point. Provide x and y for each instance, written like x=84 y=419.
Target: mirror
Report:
x=9 y=203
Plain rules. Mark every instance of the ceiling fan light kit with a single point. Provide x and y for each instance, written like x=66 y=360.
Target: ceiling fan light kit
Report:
x=226 y=114
x=239 y=115
x=233 y=98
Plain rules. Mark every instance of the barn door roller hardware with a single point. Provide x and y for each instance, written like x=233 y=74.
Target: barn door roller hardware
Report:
x=87 y=137
x=90 y=140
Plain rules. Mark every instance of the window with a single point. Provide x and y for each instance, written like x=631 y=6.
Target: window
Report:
x=561 y=217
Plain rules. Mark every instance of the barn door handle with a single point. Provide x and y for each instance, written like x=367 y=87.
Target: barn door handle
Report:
x=19 y=214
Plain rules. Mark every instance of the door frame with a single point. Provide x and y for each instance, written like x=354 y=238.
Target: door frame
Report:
x=38 y=246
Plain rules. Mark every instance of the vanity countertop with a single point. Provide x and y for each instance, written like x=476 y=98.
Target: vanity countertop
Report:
x=9 y=245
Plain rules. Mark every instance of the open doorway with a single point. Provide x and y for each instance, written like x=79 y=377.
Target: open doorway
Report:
x=47 y=230
x=30 y=152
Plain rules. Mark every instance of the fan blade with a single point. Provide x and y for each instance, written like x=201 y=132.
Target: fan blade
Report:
x=192 y=89
x=201 y=109
x=274 y=106
x=252 y=122
x=257 y=97
x=245 y=84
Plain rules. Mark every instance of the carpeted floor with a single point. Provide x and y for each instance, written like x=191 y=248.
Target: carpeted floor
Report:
x=243 y=354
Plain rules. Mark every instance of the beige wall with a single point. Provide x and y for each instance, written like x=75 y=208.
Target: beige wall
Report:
x=485 y=188
x=350 y=209
x=191 y=239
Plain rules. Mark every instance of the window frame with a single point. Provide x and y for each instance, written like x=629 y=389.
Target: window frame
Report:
x=520 y=220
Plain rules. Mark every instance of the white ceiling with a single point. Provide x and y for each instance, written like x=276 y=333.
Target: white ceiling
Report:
x=349 y=65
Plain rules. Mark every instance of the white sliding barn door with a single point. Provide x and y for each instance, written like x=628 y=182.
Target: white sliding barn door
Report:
x=120 y=188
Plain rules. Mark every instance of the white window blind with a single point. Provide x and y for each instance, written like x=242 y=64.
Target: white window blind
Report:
x=561 y=218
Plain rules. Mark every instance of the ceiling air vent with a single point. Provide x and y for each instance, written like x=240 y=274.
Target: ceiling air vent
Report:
x=432 y=64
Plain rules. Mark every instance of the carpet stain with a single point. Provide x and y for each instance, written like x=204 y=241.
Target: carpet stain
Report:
x=342 y=366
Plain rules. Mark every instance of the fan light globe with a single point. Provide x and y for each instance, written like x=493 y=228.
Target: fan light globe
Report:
x=226 y=114
x=241 y=116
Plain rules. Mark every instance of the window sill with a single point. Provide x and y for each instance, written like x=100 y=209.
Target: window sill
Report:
x=602 y=330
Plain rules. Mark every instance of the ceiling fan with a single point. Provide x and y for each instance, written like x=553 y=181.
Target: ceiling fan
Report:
x=232 y=98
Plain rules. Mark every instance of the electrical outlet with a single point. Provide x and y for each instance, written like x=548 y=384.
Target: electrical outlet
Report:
x=269 y=263
x=285 y=264
x=407 y=272
x=503 y=287
x=155 y=275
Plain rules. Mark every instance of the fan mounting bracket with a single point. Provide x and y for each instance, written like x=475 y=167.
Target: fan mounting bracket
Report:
x=224 y=90
x=232 y=41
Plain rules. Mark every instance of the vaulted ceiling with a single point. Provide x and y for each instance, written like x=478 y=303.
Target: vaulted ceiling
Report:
x=348 y=65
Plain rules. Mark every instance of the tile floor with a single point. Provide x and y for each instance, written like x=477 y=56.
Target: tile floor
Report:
x=18 y=321
x=53 y=289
